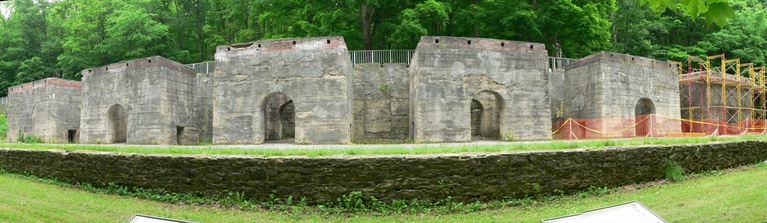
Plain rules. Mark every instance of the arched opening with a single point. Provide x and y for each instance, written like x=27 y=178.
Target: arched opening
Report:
x=287 y=119
x=279 y=117
x=476 y=117
x=486 y=110
x=643 y=117
x=118 y=124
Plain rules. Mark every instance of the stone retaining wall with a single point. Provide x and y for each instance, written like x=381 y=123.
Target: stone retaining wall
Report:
x=464 y=177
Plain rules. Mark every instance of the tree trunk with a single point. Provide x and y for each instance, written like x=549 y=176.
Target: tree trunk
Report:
x=366 y=18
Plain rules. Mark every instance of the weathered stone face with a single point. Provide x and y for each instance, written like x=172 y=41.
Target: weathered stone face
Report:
x=150 y=100
x=314 y=72
x=448 y=72
x=381 y=100
x=610 y=85
x=48 y=108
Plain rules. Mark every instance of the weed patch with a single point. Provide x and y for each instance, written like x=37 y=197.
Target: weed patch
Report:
x=28 y=138
x=674 y=172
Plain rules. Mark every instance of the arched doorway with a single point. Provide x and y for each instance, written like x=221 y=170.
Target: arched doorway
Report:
x=486 y=110
x=476 y=117
x=644 y=108
x=288 y=120
x=118 y=124
x=279 y=117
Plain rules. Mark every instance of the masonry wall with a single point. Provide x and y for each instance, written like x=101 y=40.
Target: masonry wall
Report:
x=157 y=94
x=46 y=108
x=557 y=86
x=203 y=107
x=381 y=101
x=447 y=72
x=608 y=86
x=464 y=177
x=316 y=73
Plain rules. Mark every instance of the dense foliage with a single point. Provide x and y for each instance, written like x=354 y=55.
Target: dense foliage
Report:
x=46 y=38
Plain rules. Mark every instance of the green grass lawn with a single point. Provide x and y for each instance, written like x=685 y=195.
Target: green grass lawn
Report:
x=739 y=196
x=404 y=149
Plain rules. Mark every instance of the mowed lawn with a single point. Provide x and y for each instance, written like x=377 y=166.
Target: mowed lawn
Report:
x=739 y=196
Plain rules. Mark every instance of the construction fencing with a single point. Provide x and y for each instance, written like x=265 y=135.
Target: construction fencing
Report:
x=652 y=125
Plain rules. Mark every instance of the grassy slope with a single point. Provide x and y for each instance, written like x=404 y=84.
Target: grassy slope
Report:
x=733 y=197
x=409 y=149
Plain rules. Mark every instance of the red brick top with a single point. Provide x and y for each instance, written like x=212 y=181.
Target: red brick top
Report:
x=137 y=64
x=310 y=43
x=45 y=82
x=445 y=42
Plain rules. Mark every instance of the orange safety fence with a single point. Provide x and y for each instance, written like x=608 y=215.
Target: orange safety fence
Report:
x=652 y=125
x=720 y=127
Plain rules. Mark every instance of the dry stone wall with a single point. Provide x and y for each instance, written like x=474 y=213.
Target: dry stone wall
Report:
x=464 y=177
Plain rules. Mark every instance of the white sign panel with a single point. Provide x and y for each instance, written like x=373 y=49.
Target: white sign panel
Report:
x=632 y=212
x=149 y=219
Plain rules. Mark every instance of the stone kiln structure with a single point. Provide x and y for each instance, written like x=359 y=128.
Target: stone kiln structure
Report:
x=313 y=75
x=610 y=92
x=144 y=101
x=448 y=74
x=47 y=108
x=306 y=90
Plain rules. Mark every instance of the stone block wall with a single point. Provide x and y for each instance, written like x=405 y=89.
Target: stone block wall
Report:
x=610 y=85
x=446 y=73
x=381 y=101
x=203 y=107
x=316 y=73
x=47 y=108
x=155 y=93
x=464 y=177
x=557 y=86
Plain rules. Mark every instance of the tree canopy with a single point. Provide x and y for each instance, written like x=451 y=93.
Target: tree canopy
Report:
x=44 y=38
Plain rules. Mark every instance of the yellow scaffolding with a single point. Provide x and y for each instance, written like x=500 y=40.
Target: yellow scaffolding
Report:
x=737 y=108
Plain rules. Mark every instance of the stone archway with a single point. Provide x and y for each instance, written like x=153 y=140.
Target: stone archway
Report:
x=486 y=118
x=279 y=117
x=118 y=124
x=476 y=118
x=644 y=108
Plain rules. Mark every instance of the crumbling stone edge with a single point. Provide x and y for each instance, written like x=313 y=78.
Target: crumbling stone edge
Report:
x=464 y=177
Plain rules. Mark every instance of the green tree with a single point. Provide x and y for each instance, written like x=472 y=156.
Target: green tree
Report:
x=715 y=11
x=132 y=33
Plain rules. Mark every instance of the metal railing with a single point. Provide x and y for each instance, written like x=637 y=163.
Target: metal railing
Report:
x=559 y=63
x=381 y=56
x=3 y=100
x=203 y=67
x=378 y=56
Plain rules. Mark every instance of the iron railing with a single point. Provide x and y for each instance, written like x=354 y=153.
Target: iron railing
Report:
x=378 y=56
x=3 y=100
x=559 y=63
x=203 y=67
x=381 y=56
